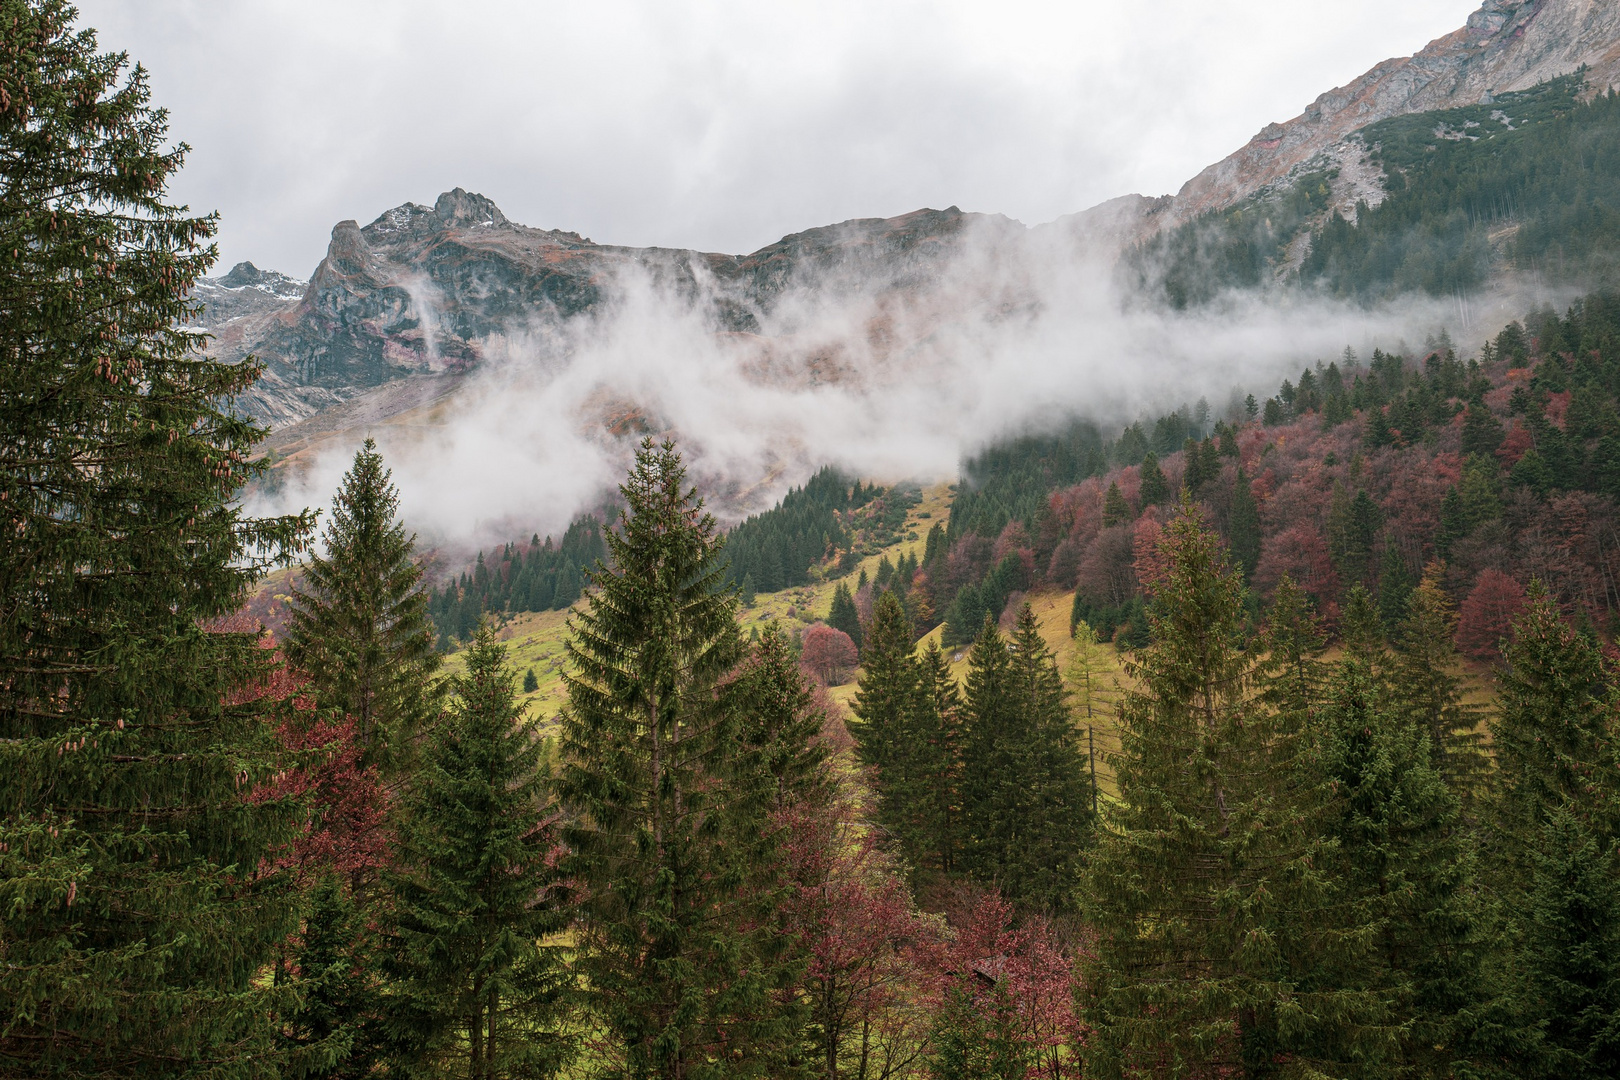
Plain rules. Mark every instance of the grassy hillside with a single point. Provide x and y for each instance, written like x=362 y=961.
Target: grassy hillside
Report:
x=536 y=639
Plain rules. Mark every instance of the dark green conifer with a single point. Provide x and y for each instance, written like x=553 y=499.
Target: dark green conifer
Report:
x=844 y=615
x=139 y=911
x=476 y=993
x=1219 y=843
x=1395 y=587
x=1026 y=799
x=1481 y=433
x=1403 y=873
x=1244 y=527
x=1116 y=511
x=780 y=729
x=746 y=592
x=1053 y=803
x=1572 y=946
x=1192 y=475
x=941 y=756
x=890 y=707
x=358 y=626
x=338 y=1029
x=1428 y=677
x=1155 y=488
x=1552 y=845
x=531 y=682
x=1353 y=524
x=1378 y=433
x=676 y=932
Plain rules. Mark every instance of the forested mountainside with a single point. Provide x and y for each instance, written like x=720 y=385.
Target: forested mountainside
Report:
x=1522 y=183
x=1499 y=468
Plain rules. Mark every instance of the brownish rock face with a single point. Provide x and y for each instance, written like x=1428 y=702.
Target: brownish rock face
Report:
x=1505 y=45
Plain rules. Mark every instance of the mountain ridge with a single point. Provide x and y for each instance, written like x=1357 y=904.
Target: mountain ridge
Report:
x=401 y=310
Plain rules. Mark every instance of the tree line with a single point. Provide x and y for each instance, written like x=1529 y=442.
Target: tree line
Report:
x=533 y=577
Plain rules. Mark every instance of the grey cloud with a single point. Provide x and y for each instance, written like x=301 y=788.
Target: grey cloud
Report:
x=721 y=125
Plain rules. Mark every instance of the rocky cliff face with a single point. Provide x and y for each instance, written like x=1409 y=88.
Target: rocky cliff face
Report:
x=426 y=294
x=1505 y=45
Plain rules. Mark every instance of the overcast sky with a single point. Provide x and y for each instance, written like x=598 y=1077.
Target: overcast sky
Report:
x=722 y=125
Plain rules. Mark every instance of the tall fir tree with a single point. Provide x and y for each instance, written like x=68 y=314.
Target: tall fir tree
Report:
x=1394 y=587
x=1553 y=735
x=1428 y=673
x=1096 y=694
x=1243 y=526
x=888 y=691
x=843 y=614
x=1572 y=947
x=1155 y=488
x=1552 y=853
x=1055 y=803
x=1219 y=844
x=338 y=1030
x=138 y=913
x=359 y=627
x=988 y=725
x=476 y=991
x=1116 y=511
x=1026 y=799
x=1405 y=873
x=942 y=762
x=670 y=927
x=896 y=733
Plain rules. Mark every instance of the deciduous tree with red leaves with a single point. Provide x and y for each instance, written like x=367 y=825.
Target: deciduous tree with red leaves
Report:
x=1298 y=552
x=1006 y=1005
x=871 y=957
x=1486 y=616
x=829 y=654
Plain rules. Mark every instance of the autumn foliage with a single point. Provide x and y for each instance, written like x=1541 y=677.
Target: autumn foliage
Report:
x=828 y=654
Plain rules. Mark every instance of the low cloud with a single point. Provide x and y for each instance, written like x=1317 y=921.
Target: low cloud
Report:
x=1019 y=331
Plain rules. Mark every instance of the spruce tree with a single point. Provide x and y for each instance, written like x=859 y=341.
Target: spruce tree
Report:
x=338 y=1029
x=780 y=726
x=1243 y=527
x=1572 y=946
x=1428 y=674
x=1394 y=587
x=670 y=927
x=941 y=757
x=1053 y=783
x=844 y=615
x=894 y=732
x=1116 y=511
x=1096 y=693
x=476 y=993
x=359 y=626
x=988 y=723
x=1553 y=733
x=1210 y=889
x=1405 y=875
x=1026 y=797
x=1552 y=843
x=1155 y=488
x=138 y=911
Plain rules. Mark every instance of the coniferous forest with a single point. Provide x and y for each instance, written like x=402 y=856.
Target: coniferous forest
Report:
x=1362 y=819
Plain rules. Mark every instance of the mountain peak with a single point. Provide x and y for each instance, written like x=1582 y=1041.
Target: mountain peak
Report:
x=462 y=207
